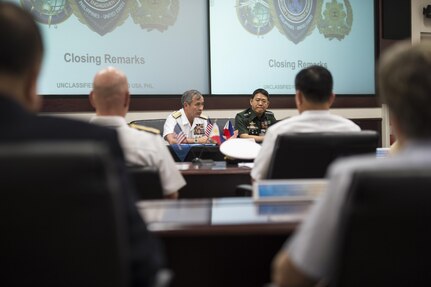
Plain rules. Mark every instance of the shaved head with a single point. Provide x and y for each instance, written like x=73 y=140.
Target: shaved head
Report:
x=110 y=95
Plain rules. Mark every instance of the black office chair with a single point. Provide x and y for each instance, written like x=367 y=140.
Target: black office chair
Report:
x=59 y=216
x=308 y=155
x=147 y=182
x=385 y=237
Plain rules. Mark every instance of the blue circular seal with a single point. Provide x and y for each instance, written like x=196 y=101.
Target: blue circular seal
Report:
x=294 y=18
x=48 y=12
x=255 y=16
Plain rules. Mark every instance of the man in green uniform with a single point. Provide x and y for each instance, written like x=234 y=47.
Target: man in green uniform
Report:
x=254 y=121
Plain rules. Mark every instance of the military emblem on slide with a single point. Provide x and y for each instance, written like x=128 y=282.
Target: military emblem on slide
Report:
x=101 y=16
x=254 y=16
x=296 y=19
x=49 y=12
x=336 y=21
x=104 y=16
x=155 y=14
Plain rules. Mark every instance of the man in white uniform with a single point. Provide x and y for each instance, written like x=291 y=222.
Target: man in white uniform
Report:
x=308 y=257
x=189 y=118
x=110 y=97
x=313 y=99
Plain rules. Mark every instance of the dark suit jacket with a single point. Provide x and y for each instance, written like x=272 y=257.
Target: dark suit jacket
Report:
x=18 y=125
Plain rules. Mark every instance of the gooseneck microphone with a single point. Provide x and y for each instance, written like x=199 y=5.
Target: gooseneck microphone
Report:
x=198 y=160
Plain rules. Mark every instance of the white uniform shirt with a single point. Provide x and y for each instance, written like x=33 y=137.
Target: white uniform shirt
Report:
x=312 y=248
x=196 y=130
x=145 y=149
x=307 y=121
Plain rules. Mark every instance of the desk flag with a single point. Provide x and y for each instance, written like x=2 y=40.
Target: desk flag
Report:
x=209 y=128
x=228 y=130
x=215 y=134
x=180 y=135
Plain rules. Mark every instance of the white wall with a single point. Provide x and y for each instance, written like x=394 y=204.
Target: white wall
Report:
x=421 y=26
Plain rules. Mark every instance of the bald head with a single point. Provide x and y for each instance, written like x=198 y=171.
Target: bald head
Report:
x=110 y=95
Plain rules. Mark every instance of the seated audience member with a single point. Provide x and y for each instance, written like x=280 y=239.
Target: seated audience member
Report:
x=395 y=148
x=110 y=97
x=189 y=119
x=313 y=99
x=307 y=258
x=21 y=54
x=254 y=121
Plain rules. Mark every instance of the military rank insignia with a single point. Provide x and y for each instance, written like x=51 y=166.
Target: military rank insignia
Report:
x=199 y=130
x=253 y=129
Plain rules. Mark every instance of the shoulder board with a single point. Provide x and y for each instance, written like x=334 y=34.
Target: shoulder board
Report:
x=176 y=114
x=203 y=117
x=145 y=129
x=269 y=113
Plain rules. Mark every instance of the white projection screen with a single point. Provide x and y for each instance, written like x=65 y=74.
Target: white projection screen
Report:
x=219 y=47
x=162 y=46
x=264 y=43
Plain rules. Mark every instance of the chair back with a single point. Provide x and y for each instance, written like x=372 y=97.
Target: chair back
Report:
x=308 y=155
x=60 y=216
x=147 y=182
x=385 y=235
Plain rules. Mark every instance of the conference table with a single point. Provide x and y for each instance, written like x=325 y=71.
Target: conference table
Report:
x=222 y=241
x=214 y=180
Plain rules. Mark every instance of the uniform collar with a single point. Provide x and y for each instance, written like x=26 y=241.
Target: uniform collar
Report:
x=184 y=120
x=315 y=112
x=111 y=121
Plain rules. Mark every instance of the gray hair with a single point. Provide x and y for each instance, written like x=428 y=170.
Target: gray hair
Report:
x=188 y=96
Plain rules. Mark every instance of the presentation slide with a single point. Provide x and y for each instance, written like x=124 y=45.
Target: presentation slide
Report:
x=162 y=46
x=265 y=43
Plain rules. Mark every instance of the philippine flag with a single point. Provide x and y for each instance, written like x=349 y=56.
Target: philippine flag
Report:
x=228 y=130
x=215 y=134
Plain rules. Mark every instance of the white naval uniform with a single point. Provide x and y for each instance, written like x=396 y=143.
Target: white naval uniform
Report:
x=191 y=131
x=307 y=121
x=313 y=247
x=145 y=149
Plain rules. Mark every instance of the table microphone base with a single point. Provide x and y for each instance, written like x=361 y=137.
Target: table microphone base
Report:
x=203 y=162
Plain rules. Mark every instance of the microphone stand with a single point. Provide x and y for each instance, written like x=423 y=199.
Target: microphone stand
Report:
x=198 y=161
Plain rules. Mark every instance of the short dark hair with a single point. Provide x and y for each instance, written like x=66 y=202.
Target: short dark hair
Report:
x=404 y=84
x=315 y=83
x=188 y=96
x=21 y=41
x=260 y=91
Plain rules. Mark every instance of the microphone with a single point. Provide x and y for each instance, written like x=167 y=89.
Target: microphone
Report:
x=198 y=160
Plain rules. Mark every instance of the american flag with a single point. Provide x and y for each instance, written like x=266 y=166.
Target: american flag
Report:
x=209 y=128
x=181 y=136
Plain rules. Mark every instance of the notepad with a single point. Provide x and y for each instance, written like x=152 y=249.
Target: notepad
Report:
x=288 y=189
